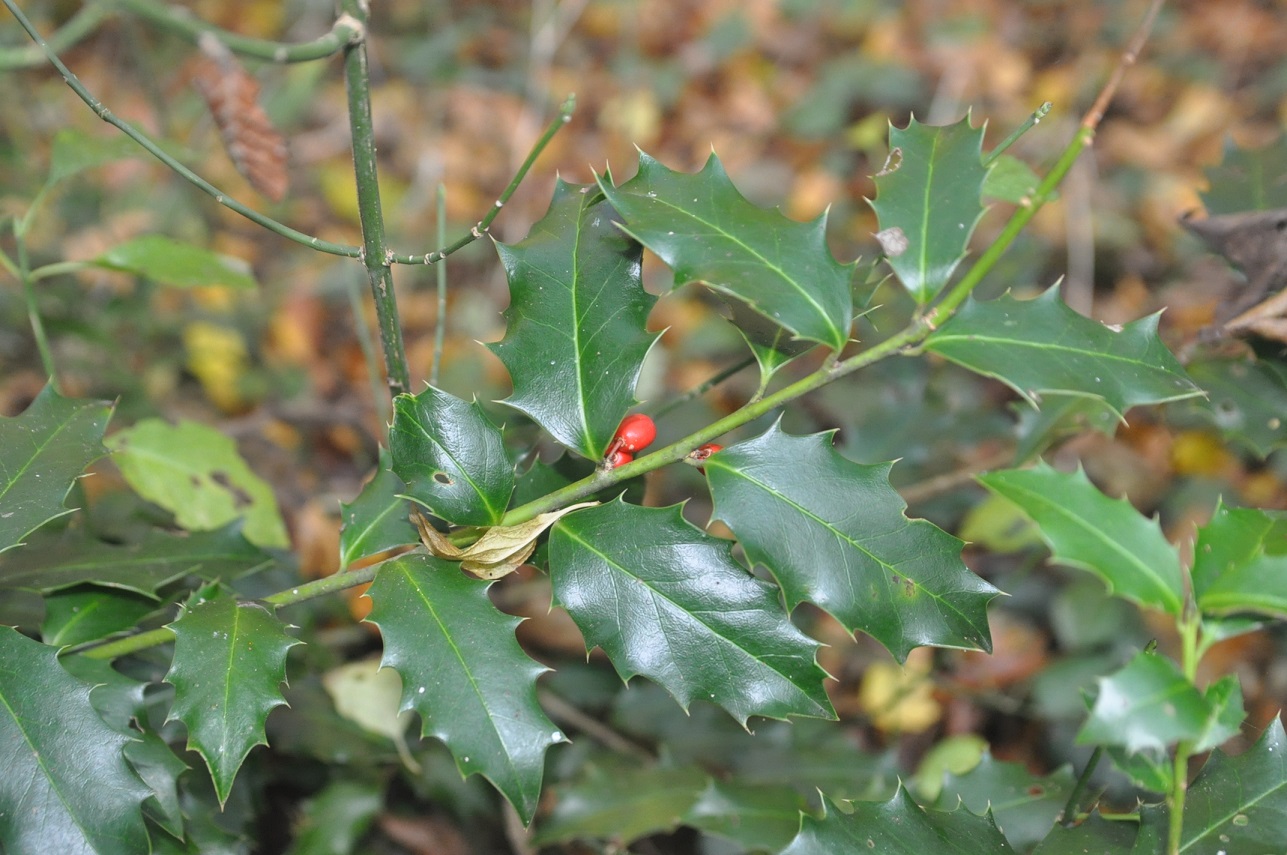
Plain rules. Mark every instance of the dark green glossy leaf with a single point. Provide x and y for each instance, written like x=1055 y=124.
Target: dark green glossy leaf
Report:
x=622 y=804
x=899 y=827
x=1150 y=769
x=933 y=193
x=1148 y=704
x=771 y=345
x=464 y=673
x=229 y=664
x=1023 y=805
x=42 y=452
x=708 y=232
x=575 y=339
x=196 y=473
x=1248 y=179
x=667 y=601
x=173 y=262
x=1239 y=804
x=1042 y=346
x=761 y=818
x=1246 y=403
x=118 y=698
x=159 y=558
x=335 y=819
x=1240 y=562
x=87 y=613
x=1093 y=836
x=451 y=457
x=833 y=533
x=65 y=787
x=378 y=518
x=1086 y=529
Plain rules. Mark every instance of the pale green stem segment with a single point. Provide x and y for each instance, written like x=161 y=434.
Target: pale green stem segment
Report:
x=1032 y=122
x=374 y=252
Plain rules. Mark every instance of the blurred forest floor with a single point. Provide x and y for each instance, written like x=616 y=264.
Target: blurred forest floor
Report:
x=796 y=97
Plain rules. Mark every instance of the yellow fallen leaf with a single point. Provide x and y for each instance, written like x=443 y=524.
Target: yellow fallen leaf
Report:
x=900 y=700
x=501 y=549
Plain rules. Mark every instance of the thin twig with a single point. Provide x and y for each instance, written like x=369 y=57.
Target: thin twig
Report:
x=1096 y=112
x=702 y=388
x=156 y=151
x=939 y=484
x=568 y=715
x=182 y=22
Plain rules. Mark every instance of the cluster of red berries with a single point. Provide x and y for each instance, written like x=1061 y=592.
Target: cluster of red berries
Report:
x=635 y=433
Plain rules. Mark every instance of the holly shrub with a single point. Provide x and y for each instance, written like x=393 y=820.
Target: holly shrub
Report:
x=136 y=691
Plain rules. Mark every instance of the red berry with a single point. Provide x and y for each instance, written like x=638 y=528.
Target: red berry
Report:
x=697 y=455
x=636 y=431
x=617 y=458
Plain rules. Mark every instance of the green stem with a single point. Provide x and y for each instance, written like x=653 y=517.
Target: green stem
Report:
x=1033 y=121
x=1069 y=816
x=440 y=322
x=33 y=308
x=181 y=22
x=1190 y=642
x=156 y=151
x=374 y=252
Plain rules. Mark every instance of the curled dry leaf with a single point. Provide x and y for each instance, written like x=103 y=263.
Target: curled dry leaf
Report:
x=232 y=94
x=1255 y=242
x=501 y=549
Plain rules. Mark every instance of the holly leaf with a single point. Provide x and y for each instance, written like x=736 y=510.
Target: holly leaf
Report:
x=451 y=456
x=1023 y=805
x=1042 y=346
x=157 y=559
x=377 y=519
x=833 y=533
x=229 y=664
x=575 y=339
x=706 y=231
x=42 y=452
x=66 y=787
x=1145 y=706
x=666 y=600
x=1239 y=804
x=899 y=827
x=1240 y=562
x=932 y=193
x=1248 y=179
x=464 y=673
x=1246 y=401
x=196 y=473
x=160 y=769
x=1086 y=529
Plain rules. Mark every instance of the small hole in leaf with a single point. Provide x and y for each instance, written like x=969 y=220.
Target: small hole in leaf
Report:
x=443 y=478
